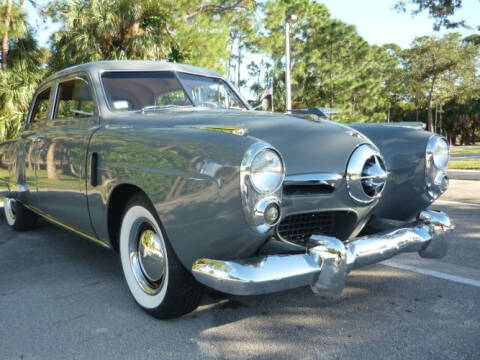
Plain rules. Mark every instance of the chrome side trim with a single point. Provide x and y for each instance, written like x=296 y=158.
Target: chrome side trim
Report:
x=327 y=179
x=327 y=261
x=54 y=221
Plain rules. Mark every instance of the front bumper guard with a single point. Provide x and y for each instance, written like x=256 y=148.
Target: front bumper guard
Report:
x=327 y=260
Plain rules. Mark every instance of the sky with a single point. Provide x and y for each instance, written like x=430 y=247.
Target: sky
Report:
x=379 y=23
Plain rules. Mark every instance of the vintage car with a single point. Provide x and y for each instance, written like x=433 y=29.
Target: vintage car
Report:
x=168 y=165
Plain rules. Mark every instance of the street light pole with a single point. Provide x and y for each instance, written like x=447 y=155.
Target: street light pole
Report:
x=288 y=87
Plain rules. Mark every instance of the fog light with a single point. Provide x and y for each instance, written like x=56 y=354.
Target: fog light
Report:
x=271 y=214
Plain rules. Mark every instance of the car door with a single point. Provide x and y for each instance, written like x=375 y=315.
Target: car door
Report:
x=28 y=146
x=61 y=174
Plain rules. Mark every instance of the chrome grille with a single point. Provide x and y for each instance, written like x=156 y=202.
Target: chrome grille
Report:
x=299 y=228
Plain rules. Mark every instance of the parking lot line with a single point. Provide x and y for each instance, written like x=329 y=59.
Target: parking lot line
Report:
x=437 y=274
x=451 y=202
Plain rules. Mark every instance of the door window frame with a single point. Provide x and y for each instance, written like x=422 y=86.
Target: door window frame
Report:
x=41 y=89
x=74 y=76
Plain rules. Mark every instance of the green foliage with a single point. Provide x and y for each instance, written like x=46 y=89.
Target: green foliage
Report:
x=17 y=86
x=189 y=31
x=464 y=165
x=455 y=150
x=442 y=11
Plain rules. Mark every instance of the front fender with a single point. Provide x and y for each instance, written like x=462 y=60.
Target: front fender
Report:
x=403 y=148
x=192 y=178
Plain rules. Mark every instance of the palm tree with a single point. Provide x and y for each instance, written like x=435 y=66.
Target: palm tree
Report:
x=192 y=31
x=11 y=26
x=17 y=86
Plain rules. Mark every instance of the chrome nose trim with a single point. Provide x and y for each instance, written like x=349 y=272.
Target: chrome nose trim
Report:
x=312 y=179
x=327 y=261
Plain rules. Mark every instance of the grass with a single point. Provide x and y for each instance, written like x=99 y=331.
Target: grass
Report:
x=464 y=165
x=464 y=151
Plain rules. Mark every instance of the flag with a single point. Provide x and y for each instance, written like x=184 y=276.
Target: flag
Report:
x=267 y=92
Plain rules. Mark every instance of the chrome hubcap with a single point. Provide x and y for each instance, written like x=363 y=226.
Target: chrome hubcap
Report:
x=147 y=257
x=151 y=257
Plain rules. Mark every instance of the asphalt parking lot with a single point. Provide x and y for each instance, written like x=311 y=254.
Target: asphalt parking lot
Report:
x=62 y=297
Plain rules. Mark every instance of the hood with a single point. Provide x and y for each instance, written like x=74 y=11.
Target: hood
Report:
x=307 y=146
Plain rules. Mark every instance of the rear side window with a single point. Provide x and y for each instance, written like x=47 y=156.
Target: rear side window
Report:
x=40 y=108
x=74 y=100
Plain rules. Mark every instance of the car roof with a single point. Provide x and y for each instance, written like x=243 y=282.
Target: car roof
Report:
x=132 y=65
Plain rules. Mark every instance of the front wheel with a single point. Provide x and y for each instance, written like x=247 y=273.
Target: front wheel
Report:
x=18 y=217
x=157 y=280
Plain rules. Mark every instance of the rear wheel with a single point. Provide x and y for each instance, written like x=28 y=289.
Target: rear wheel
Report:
x=155 y=277
x=18 y=217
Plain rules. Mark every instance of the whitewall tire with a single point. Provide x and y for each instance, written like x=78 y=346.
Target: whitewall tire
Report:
x=18 y=217
x=155 y=277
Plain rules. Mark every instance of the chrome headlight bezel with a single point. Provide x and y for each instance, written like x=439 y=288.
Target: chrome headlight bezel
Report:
x=255 y=199
x=436 y=178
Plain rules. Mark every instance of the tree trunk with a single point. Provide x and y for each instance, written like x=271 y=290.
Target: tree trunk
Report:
x=429 y=105
x=8 y=14
x=440 y=125
x=239 y=63
x=430 y=119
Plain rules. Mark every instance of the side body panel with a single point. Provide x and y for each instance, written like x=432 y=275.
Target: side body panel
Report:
x=192 y=178
x=61 y=173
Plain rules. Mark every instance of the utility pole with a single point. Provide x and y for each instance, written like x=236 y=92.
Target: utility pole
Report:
x=288 y=85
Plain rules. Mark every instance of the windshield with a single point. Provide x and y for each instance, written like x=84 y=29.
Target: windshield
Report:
x=210 y=92
x=157 y=90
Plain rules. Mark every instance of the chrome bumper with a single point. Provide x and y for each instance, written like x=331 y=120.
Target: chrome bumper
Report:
x=327 y=260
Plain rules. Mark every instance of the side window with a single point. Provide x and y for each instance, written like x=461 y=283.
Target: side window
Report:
x=39 y=112
x=74 y=100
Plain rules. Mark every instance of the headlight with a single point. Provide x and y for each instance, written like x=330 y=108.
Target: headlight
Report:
x=437 y=156
x=267 y=171
x=261 y=176
x=440 y=152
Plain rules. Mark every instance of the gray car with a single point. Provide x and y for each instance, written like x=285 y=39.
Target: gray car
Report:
x=168 y=165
